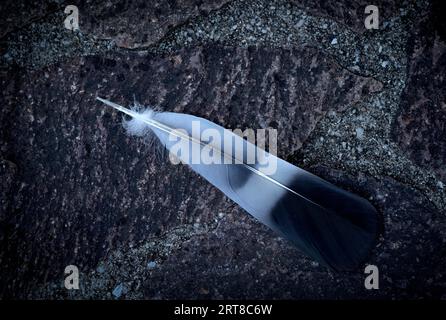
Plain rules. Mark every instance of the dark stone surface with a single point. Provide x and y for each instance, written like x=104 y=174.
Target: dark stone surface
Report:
x=76 y=190
x=244 y=261
x=351 y=12
x=83 y=187
x=420 y=128
x=129 y=23
x=16 y=14
x=134 y=24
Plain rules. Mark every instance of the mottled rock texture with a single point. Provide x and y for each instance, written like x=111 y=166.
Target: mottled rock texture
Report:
x=93 y=187
x=254 y=266
x=133 y=24
x=420 y=128
x=76 y=190
x=16 y=14
x=349 y=12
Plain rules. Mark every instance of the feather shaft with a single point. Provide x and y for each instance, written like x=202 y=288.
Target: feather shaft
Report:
x=179 y=134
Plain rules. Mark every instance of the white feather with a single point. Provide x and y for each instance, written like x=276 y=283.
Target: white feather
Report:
x=136 y=125
x=331 y=225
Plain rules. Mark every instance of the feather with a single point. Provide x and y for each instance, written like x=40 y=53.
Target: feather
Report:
x=331 y=225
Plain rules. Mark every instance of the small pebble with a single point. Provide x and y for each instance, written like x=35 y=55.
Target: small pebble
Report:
x=300 y=23
x=118 y=291
x=359 y=133
x=100 y=269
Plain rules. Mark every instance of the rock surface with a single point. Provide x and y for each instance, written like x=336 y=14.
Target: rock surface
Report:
x=136 y=24
x=360 y=112
x=420 y=128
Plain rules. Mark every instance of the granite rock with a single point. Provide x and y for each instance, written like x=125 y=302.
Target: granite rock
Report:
x=420 y=128
x=76 y=190
x=83 y=188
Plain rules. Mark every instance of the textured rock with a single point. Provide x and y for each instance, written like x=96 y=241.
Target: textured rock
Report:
x=84 y=187
x=351 y=13
x=130 y=24
x=16 y=14
x=140 y=23
x=244 y=261
x=7 y=172
x=76 y=190
x=420 y=128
